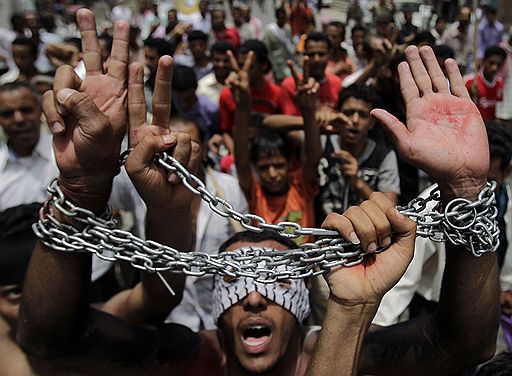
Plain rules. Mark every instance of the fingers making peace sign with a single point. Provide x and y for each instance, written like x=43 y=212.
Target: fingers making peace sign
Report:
x=151 y=180
x=238 y=80
x=306 y=88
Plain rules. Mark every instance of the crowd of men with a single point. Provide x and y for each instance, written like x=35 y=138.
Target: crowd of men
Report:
x=300 y=120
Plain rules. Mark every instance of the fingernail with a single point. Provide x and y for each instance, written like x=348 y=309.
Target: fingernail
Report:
x=386 y=242
x=353 y=238
x=57 y=127
x=168 y=138
x=372 y=247
x=64 y=94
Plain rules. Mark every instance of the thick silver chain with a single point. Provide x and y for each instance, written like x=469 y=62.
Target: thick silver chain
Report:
x=471 y=224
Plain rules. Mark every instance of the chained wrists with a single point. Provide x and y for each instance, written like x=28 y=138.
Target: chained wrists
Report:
x=471 y=224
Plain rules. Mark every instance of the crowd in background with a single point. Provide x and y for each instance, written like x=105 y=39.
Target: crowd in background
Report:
x=268 y=149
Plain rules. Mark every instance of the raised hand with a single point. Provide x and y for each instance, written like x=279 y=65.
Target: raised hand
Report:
x=374 y=223
x=155 y=185
x=306 y=89
x=348 y=165
x=88 y=117
x=238 y=80
x=445 y=135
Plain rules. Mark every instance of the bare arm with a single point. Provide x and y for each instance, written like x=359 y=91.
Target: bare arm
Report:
x=242 y=95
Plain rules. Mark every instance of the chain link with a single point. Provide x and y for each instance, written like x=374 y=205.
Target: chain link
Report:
x=471 y=224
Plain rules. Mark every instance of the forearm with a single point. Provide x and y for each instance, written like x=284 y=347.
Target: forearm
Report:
x=340 y=341
x=461 y=333
x=284 y=123
x=55 y=300
x=360 y=186
x=241 y=145
x=312 y=145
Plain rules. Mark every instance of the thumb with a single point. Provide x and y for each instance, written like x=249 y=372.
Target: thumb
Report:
x=78 y=104
x=142 y=155
x=404 y=230
x=394 y=127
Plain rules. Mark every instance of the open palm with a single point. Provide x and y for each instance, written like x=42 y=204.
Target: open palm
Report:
x=445 y=135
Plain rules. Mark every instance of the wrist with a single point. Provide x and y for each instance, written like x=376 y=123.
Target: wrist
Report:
x=160 y=213
x=354 y=308
x=465 y=188
x=90 y=193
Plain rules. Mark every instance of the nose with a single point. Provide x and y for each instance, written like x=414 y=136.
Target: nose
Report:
x=316 y=58
x=272 y=172
x=255 y=302
x=18 y=116
x=355 y=118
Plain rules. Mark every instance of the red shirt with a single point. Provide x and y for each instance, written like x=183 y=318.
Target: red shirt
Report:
x=489 y=93
x=230 y=35
x=298 y=17
x=328 y=94
x=265 y=100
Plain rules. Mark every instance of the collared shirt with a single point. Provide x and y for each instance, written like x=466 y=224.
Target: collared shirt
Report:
x=24 y=179
x=208 y=86
x=488 y=35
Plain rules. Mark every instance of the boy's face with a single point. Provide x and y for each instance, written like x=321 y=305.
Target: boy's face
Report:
x=491 y=65
x=273 y=173
x=358 y=111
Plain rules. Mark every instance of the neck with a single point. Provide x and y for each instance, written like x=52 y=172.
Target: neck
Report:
x=22 y=151
x=286 y=365
x=355 y=150
x=202 y=61
x=29 y=72
x=488 y=78
x=258 y=83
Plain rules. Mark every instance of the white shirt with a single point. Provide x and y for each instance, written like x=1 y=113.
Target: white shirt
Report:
x=209 y=87
x=212 y=230
x=24 y=179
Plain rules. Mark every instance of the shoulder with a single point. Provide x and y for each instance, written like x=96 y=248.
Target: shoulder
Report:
x=288 y=84
x=225 y=95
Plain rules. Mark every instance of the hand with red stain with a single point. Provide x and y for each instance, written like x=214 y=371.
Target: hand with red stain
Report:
x=373 y=223
x=445 y=134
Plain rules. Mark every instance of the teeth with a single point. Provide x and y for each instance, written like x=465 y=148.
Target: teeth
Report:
x=257 y=327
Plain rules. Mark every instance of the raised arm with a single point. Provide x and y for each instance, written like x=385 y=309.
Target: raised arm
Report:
x=168 y=219
x=239 y=84
x=86 y=143
x=306 y=92
x=445 y=136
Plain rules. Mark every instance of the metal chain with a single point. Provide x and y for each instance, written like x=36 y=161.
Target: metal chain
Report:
x=471 y=224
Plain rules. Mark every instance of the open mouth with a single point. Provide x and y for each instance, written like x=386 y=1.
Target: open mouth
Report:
x=256 y=338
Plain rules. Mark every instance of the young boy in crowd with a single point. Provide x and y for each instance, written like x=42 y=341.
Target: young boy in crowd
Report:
x=486 y=89
x=275 y=192
x=354 y=166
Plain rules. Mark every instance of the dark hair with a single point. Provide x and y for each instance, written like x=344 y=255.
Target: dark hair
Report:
x=184 y=78
x=197 y=35
x=444 y=52
x=107 y=38
x=11 y=86
x=268 y=143
x=17 y=241
x=440 y=18
x=78 y=42
x=500 y=142
x=259 y=49
x=190 y=120
x=22 y=41
x=161 y=45
x=337 y=24
x=495 y=50
x=500 y=365
x=221 y=47
x=424 y=37
x=359 y=91
x=357 y=28
x=278 y=10
x=257 y=237
x=317 y=36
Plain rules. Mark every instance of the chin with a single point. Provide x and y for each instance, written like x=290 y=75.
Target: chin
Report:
x=258 y=366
